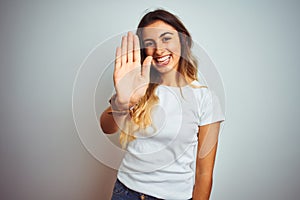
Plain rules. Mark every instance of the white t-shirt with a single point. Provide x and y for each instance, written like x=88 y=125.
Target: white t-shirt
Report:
x=161 y=162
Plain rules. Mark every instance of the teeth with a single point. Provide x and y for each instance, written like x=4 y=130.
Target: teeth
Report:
x=163 y=58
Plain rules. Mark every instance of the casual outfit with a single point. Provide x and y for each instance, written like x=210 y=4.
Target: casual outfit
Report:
x=161 y=161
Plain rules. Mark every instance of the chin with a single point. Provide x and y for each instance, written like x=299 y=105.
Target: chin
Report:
x=164 y=70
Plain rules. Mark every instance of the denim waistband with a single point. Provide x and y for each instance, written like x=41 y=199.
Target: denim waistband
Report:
x=121 y=192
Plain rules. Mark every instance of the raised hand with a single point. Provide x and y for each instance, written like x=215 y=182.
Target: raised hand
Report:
x=130 y=78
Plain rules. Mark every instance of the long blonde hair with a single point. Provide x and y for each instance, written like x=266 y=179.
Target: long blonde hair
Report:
x=140 y=117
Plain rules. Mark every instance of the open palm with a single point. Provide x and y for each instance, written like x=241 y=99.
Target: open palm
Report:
x=131 y=79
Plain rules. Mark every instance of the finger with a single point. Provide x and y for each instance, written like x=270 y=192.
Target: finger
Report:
x=146 y=67
x=136 y=49
x=129 y=47
x=118 y=58
x=124 y=50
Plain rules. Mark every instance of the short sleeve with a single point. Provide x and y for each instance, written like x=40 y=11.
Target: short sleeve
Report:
x=210 y=109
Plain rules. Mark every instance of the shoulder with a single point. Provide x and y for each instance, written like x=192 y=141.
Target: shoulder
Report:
x=199 y=89
x=203 y=94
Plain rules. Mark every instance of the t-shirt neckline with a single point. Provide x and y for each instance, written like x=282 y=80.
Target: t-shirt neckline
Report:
x=187 y=85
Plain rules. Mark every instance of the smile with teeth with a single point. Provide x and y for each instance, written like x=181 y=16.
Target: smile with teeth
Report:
x=163 y=60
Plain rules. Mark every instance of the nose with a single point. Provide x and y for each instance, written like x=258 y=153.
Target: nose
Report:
x=160 y=49
x=159 y=52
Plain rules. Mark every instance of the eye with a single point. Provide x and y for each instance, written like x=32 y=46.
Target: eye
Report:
x=148 y=44
x=165 y=39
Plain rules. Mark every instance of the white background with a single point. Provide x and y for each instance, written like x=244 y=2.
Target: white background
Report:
x=255 y=46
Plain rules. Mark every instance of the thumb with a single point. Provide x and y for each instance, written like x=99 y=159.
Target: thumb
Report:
x=146 y=66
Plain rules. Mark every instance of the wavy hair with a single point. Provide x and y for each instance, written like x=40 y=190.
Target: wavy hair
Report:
x=140 y=117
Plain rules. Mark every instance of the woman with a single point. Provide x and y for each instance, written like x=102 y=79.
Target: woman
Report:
x=169 y=122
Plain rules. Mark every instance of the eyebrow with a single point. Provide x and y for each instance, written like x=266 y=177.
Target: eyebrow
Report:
x=163 y=34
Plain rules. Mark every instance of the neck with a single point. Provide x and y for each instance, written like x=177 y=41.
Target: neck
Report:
x=173 y=78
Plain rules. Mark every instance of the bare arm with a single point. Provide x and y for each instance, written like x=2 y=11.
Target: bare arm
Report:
x=207 y=148
x=108 y=121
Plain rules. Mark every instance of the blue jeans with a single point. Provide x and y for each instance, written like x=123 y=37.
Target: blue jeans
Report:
x=121 y=192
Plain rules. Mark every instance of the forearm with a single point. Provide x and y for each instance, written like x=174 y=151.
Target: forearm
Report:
x=202 y=188
x=111 y=123
x=113 y=118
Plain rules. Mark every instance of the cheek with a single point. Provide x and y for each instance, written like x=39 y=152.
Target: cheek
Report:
x=175 y=48
x=149 y=51
x=176 y=51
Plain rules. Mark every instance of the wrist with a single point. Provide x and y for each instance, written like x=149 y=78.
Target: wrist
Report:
x=118 y=105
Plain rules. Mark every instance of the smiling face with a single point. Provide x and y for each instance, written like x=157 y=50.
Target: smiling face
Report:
x=161 y=41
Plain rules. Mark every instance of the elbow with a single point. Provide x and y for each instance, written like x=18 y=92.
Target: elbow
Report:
x=206 y=176
x=107 y=128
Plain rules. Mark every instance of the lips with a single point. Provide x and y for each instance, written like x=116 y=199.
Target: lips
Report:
x=163 y=60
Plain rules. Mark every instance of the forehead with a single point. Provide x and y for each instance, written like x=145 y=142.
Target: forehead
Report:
x=157 y=28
